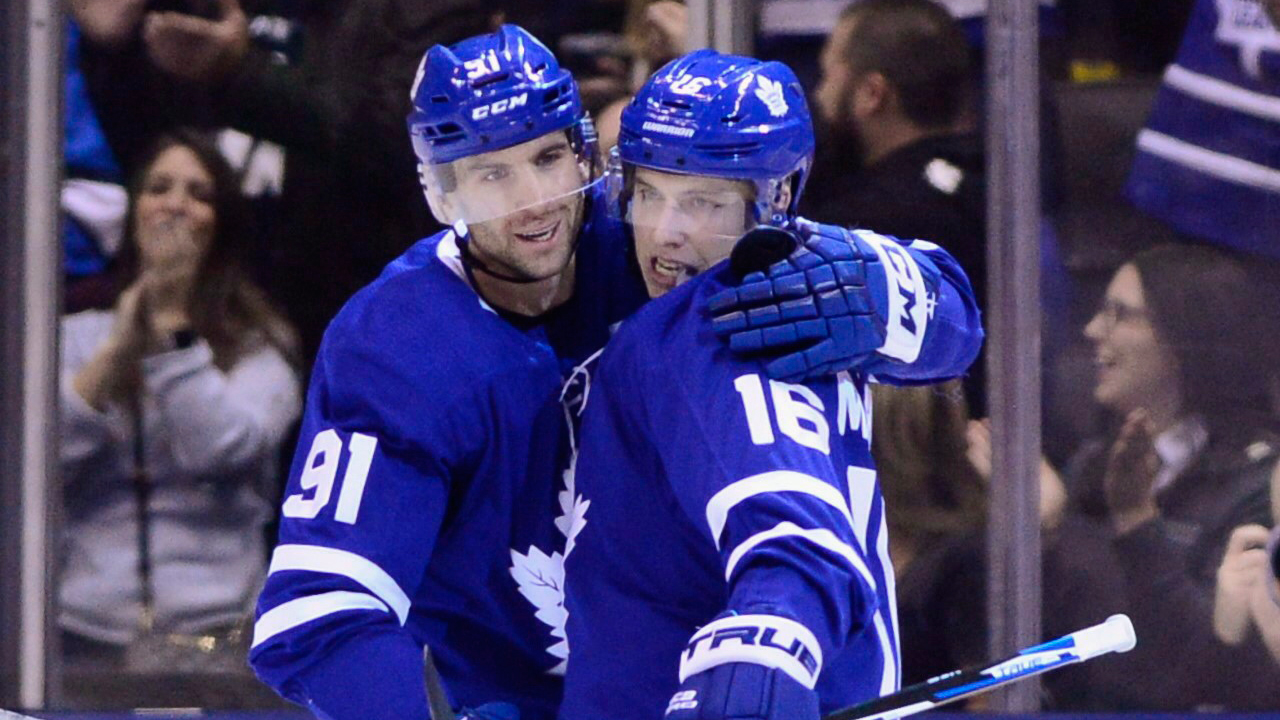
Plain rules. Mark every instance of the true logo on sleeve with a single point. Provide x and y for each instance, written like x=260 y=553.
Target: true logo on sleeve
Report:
x=767 y=640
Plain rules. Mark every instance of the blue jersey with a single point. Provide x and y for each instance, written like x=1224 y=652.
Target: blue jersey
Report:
x=703 y=488
x=420 y=501
x=1208 y=162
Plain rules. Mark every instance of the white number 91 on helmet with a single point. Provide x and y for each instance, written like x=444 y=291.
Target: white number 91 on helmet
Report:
x=499 y=130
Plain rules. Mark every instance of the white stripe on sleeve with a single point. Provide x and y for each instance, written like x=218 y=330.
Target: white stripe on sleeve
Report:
x=891 y=589
x=316 y=558
x=770 y=482
x=1216 y=164
x=1223 y=94
x=890 y=678
x=818 y=536
x=305 y=609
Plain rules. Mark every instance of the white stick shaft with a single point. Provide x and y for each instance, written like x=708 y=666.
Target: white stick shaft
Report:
x=1114 y=635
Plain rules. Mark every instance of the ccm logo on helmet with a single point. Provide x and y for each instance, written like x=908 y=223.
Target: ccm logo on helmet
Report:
x=501 y=106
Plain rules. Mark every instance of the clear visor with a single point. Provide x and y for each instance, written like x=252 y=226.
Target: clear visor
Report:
x=683 y=224
x=551 y=170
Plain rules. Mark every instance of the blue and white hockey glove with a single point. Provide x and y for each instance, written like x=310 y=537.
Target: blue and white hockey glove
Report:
x=748 y=667
x=823 y=309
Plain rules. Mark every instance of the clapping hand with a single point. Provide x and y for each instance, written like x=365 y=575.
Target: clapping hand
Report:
x=127 y=340
x=197 y=49
x=110 y=23
x=667 y=29
x=1131 y=474
x=1053 y=494
x=169 y=278
x=112 y=372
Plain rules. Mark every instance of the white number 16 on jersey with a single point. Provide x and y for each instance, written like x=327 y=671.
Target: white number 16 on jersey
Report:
x=326 y=449
x=797 y=408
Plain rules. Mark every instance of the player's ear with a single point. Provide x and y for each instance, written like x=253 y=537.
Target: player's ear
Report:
x=441 y=208
x=871 y=94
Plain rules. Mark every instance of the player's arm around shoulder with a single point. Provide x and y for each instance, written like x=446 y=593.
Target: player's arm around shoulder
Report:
x=933 y=325
x=855 y=300
x=361 y=512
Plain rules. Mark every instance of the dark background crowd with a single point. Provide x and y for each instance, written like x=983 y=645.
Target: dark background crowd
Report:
x=236 y=169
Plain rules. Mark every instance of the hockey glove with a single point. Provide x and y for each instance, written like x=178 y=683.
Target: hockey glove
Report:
x=817 y=312
x=742 y=691
x=748 y=667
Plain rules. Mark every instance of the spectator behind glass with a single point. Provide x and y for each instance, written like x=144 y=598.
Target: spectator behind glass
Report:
x=1247 y=603
x=934 y=464
x=318 y=92
x=931 y=489
x=174 y=404
x=900 y=154
x=654 y=32
x=935 y=505
x=1178 y=365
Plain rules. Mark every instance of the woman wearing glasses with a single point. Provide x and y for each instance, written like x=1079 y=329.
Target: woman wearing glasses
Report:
x=1189 y=455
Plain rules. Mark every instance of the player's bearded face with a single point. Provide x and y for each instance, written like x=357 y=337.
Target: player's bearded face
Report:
x=523 y=205
x=835 y=77
x=684 y=224
x=835 y=94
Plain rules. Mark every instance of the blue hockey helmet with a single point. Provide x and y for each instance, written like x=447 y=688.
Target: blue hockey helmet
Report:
x=485 y=94
x=723 y=116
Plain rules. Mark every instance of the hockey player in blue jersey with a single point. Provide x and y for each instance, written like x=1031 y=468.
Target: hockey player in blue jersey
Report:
x=424 y=504
x=432 y=440
x=727 y=555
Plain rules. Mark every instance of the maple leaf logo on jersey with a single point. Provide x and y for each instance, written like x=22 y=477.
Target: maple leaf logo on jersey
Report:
x=770 y=93
x=540 y=577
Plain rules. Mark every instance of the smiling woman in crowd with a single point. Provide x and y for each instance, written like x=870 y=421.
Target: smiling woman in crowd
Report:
x=174 y=405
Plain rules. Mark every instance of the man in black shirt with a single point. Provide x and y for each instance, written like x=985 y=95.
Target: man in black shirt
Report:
x=900 y=156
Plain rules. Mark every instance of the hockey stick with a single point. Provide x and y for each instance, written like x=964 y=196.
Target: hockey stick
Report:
x=1114 y=635
x=437 y=699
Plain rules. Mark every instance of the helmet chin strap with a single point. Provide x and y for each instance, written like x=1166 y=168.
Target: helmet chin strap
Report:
x=473 y=264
